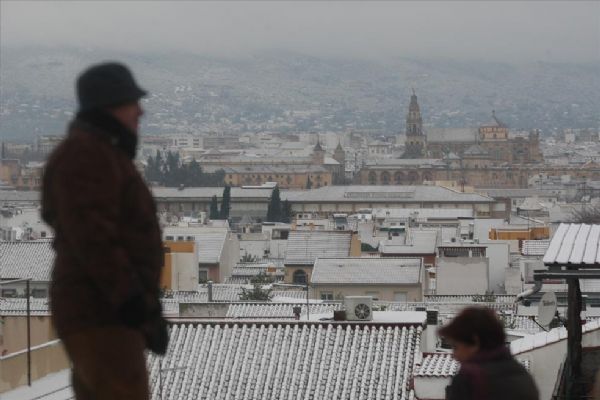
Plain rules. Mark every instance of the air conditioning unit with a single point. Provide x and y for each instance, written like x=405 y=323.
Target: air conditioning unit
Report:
x=359 y=308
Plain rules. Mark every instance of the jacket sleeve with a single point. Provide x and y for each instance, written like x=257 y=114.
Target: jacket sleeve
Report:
x=87 y=201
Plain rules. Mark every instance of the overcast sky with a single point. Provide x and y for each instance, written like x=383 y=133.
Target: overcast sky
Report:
x=505 y=30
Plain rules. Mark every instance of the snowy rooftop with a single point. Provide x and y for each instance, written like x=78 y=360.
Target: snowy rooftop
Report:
x=545 y=338
x=278 y=310
x=210 y=242
x=29 y=259
x=383 y=194
x=224 y=293
x=450 y=307
x=535 y=247
x=275 y=361
x=18 y=306
x=423 y=213
x=574 y=244
x=466 y=298
x=443 y=365
x=304 y=246
x=420 y=242
x=367 y=271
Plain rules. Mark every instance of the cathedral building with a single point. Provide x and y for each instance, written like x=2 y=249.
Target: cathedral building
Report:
x=487 y=156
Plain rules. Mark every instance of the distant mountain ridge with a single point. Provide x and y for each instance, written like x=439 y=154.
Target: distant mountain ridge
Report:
x=199 y=93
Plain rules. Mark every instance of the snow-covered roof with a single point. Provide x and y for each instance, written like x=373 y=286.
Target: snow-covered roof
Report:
x=418 y=242
x=27 y=259
x=388 y=194
x=210 y=241
x=304 y=246
x=535 y=247
x=438 y=365
x=574 y=244
x=277 y=310
x=367 y=271
x=423 y=213
x=224 y=293
x=543 y=338
x=443 y=365
x=450 y=308
x=18 y=306
x=460 y=298
x=285 y=361
x=254 y=269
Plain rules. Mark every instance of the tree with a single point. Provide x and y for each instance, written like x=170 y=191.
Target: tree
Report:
x=171 y=172
x=366 y=247
x=586 y=215
x=214 y=208
x=226 y=203
x=248 y=258
x=488 y=297
x=258 y=292
x=262 y=279
x=274 y=208
x=286 y=212
x=194 y=175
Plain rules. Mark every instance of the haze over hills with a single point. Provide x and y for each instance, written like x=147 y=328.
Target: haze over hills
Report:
x=284 y=91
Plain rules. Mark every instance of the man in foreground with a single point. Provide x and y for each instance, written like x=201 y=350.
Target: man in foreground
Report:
x=105 y=283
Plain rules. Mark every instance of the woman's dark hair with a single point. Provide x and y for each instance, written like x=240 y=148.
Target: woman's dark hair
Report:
x=476 y=325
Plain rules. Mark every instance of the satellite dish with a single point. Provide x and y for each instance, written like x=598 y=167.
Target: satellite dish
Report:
x=547 y=308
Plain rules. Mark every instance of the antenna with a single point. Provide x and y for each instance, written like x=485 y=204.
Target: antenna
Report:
x=547 y=308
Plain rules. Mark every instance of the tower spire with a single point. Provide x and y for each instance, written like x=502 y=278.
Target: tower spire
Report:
x=415 y=140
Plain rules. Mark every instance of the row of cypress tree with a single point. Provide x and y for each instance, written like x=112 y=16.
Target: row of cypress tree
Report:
x=171 y=172
x=223 y=213
x=277 y=210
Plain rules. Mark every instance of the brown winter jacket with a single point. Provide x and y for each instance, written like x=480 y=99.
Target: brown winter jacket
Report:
x=492 y=375
x=107 y=237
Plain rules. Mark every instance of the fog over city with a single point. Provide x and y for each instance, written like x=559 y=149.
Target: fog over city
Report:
x=496 y=31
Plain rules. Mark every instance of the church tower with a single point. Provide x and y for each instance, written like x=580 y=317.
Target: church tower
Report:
x=416 y=142
x=318 y=156
x=339 y=155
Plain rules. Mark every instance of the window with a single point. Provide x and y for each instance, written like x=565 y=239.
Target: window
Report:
x=179 y=238
x=300 y=277
x=326 y=295
x=9 y=292
x=169 y=237
x=280 y=234
x=374 y=295
x=189 y=238
x=202 y=276
x=400 y=296
x=39 y=293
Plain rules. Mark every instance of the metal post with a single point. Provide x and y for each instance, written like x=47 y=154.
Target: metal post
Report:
x=160 y=372
x=307 y=304
x=574 y=352
x=28 y=334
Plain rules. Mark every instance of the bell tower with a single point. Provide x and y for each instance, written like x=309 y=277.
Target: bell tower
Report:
x=416 y=142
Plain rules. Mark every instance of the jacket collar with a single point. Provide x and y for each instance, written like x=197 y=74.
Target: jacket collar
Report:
x=500 y=353
x=111 y=128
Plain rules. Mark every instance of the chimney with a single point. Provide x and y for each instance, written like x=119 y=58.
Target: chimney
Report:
x=429 y=337
x=297 y=310
x=210 y=291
